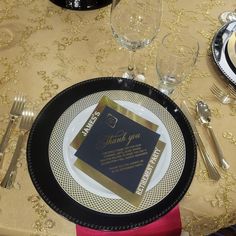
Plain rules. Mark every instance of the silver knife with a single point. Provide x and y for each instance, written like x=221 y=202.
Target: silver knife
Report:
x=212 y=171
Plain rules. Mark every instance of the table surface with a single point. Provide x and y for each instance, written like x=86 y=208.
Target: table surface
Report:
x=53 y=48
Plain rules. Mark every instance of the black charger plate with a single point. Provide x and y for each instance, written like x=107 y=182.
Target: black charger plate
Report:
x=43 y=170
x=81 y=4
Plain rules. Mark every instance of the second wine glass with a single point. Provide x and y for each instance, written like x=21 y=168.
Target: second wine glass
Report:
x=134 y=24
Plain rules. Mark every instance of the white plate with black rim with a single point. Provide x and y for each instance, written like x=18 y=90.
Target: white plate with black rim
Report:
x=81 y=199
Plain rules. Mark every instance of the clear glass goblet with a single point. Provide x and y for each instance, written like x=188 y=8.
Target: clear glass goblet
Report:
x=176 y=56
x=134 y=24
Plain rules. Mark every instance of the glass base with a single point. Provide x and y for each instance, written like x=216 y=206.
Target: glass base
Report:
x=166 y=88
x=168 y=84
x=82 y=4
x=125 y=73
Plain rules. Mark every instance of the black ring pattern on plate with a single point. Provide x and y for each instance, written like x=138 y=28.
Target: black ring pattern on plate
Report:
x=229 y=61
x=46 y=184
x=217 y=49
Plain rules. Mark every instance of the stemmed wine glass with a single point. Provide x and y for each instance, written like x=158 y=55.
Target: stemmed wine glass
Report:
x=134 y=24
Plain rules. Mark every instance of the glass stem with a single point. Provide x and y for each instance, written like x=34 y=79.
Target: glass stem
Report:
x=131 y=64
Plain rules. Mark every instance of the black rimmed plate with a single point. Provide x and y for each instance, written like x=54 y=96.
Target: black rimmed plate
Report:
x=221 y=54
x=81 y=199
x=82 y=4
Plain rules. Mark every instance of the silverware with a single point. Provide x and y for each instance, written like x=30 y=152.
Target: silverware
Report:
x=15 y=112
x=25 y=125
x=211 y=169
x=232 y=90
x=205 y=118
x=223 y=97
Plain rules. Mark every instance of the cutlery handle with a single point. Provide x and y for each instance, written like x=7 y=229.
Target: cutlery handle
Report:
x=220 y=155
x=10 y=175
x=5 y=140
x=212 y=171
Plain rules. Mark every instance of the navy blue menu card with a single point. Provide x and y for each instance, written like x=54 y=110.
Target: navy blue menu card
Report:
x=118 y=149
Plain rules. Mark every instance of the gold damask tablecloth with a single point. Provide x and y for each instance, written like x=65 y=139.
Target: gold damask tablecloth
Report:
x=52 y=48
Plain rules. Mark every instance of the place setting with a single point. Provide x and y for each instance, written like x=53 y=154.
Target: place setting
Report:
x=114 y=153
x=224 y=53
x=94 y=135
x=126 y=148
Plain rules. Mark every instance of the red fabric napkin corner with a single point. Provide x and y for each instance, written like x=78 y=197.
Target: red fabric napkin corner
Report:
x=168 y=225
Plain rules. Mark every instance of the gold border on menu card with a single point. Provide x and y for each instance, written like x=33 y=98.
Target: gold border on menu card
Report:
x=231 y=48
x=133 y=198
x=105 y=101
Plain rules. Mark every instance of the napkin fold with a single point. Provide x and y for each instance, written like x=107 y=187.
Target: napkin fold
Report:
x=168 y=225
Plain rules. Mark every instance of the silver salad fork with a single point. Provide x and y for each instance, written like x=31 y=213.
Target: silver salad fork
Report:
x=25 y=125
x=232 y=90
x=223 y=97
x=15 y=112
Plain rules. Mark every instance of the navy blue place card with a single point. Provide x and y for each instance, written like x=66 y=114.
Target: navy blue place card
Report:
x=118 y=149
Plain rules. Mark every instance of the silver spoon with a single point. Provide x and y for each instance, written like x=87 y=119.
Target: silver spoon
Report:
x=205 y=117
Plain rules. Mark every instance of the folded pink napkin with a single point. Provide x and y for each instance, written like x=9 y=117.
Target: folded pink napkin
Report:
x=168 y=225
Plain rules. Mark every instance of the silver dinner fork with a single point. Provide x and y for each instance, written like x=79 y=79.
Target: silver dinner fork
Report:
x=25 y=125
x=232 y=90
x=15 y=112
x=223 y=97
